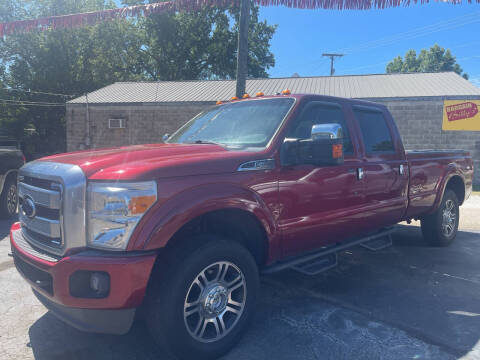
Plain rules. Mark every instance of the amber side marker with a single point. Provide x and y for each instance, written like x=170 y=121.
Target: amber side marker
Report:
x=337 y=151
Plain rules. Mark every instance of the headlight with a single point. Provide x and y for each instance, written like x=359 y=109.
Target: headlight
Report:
x=114 y=209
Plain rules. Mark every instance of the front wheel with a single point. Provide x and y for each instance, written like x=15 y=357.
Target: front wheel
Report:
x=440 y=228
x=202 y=299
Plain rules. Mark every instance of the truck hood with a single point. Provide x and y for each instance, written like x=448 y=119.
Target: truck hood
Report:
x=153 y=161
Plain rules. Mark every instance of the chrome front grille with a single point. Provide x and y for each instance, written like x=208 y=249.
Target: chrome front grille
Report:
x=45 y=226
x=45 y=197
x=52 y=205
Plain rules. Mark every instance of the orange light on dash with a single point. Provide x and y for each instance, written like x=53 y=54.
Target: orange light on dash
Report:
x=245 y=96
x=258 y=94
x=234 y=98
x=219 y=102
x=140 y=204
x=337 y=151
x=286 y=92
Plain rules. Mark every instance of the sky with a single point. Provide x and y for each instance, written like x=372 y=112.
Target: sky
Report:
x=371 y=38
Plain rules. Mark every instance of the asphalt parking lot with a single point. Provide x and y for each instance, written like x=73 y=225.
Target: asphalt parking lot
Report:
x=408 y=301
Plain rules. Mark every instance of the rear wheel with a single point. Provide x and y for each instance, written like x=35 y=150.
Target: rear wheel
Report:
x=198 y=307
x=440 y=228
x=8 y=198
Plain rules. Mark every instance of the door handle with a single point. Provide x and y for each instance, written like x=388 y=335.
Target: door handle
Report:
x=401 y=169
x=360 y=173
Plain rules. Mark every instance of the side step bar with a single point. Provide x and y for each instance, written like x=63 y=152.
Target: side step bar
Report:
x=317 y=265
x=378 y=243
x=326 y=258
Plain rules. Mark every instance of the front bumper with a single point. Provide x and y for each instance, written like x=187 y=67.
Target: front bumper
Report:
x=116 y=322
x=50 y=279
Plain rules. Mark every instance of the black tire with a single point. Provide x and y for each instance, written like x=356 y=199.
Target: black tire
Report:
x=438 y=230
x=173 y=280
x=9 y=198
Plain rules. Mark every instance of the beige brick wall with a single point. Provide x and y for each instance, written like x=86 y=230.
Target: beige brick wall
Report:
x=144 y=123
x=419 y=122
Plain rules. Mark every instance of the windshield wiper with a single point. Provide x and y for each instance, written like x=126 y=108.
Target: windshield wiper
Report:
x=208 y=142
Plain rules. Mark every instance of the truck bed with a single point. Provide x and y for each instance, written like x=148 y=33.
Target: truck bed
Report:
x=429 y=171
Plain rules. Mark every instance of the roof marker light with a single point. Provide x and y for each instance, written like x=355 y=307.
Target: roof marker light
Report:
x=286 y=92
x=219 y=102
x=245 y=96
x=258 y=94
x=234 y=98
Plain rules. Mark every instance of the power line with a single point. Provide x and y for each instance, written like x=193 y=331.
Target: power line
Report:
x=416 y=32
x=37 y=105
x=29 y=103
x=468 y=57
x=366 y=66
x=411 y=34
x=32 y=102
x=37 y=92
x=390 y=60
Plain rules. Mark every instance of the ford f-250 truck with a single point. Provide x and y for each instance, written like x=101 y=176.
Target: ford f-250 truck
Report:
x=178 y=232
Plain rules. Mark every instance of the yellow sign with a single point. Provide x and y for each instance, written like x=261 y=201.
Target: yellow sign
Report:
x=461 y=115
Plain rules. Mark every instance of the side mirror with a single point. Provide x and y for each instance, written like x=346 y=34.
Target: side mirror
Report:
x=324 y=148
x=165 y=137
x=327 y=131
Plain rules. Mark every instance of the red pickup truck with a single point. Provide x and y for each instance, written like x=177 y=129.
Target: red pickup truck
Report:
x=178 y=232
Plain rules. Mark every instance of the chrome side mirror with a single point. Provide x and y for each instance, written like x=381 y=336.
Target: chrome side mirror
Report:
x=327 y=131
x=165 y=137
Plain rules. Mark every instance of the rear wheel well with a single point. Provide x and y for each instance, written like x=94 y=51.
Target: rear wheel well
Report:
x=232 y=224
x=456 y=184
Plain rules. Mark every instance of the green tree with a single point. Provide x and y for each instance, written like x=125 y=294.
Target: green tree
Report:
x=178 y=46
x=202 y=44
x=66 y=61
x=434 y=59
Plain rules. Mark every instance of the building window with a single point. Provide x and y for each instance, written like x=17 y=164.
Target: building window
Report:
x=116 y=123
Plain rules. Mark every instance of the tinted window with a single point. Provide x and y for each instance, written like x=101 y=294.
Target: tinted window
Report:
x=375 y=132
x=321 y=114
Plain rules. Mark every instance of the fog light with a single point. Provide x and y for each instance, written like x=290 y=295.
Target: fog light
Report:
x=100 y=283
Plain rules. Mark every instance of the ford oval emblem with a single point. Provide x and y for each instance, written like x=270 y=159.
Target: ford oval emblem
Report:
x=28 y=207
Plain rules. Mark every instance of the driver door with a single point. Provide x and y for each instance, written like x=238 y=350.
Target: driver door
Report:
x=320 y=204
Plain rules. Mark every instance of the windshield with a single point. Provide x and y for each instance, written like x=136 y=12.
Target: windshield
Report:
x=242 y=124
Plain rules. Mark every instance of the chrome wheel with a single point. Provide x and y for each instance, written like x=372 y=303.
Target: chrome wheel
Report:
x=449 y=218
x=215 y=301
x=12 y=199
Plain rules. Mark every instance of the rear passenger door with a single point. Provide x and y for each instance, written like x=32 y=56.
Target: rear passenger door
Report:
x=384 y=168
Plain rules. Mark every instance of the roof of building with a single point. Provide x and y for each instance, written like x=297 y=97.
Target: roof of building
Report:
x=350 y=86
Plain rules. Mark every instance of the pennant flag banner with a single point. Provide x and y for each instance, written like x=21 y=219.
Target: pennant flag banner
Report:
x=76 y=20
x=90 y=18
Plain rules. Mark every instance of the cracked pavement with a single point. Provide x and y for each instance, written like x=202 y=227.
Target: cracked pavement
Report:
x=408 y=301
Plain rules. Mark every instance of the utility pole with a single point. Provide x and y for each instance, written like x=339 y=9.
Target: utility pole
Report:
x=332 y=59
x=87 y=124
x=242 y=50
